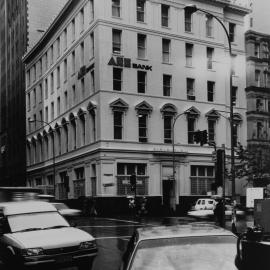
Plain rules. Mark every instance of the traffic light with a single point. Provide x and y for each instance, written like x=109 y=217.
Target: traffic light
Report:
x=133 y=182
x=197 y=136
x=204 y=137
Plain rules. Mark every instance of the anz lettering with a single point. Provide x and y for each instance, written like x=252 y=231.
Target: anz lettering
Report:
x=126 y=62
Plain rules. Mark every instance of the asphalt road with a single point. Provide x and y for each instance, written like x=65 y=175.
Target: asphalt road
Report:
x=112 y=235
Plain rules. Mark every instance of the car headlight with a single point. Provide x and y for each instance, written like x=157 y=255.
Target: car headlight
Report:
x=88 y=244
x=32 y=251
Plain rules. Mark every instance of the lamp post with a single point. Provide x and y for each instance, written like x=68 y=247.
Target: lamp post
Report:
x=46 y=123
x=173 y=148
x=191 y=9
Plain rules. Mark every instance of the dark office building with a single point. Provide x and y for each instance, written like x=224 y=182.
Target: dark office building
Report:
x=21 y=23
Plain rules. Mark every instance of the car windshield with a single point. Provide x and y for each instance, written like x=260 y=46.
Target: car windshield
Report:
x=187 y=253
x=34 y=221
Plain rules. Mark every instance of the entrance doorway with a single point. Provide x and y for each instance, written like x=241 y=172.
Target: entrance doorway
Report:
x=168 y=195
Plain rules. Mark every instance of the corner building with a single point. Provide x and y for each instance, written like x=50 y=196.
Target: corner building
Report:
x=113 y=74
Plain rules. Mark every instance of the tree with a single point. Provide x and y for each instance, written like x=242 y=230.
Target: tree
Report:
x=254 y=164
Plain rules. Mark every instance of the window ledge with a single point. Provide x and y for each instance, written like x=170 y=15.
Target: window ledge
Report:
x=211 y=70
x=189 y=32
x=116 y=17
x=165 y=63
x=189 y=66
x=142 y=59
x=166 y=27
x=141 y=22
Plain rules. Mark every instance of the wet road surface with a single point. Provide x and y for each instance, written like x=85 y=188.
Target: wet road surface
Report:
x=112 y=236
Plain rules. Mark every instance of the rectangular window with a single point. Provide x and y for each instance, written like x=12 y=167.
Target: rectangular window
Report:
x=40 y=115
x=28 y=101
x=166 y=44
x=190 y=89
x=191 y=129
x=73 y=94
x=65 y=70
x=73 y=62
x=52 y=83
x=40 y=93
x=234 y=95
x=34 y=73
x=82 y=20
x=140 y=10
x=188 y=21
x=211 y=130
x=209 y=26
x=210 y=91
x=141 y=46
x=232 y=31
x=28 y=77
x=142 y=127
x=58 y=46
x=83 y=87
x=46 y=88
x=117 y=79
x=93 y=80
x=210 y=53
x=167 y=85
x=116 y=8
x=46 y=61
x=92 y=45
x=40 y=67
x=201 y=180
x=46 y=114
x=265 y=51
x=257 y=50
x=91 y=10
x=34 y=98
x=73 y=30
x=167 y=128
x=189 y=53
x=51 y=55
x=58 y=106
x=116 y=42
x=258 y=77
x=66 y=100
x=165 y=15
x=65 y=39
x=58 y=76
x=118 y=125
x=141 y=79
x=82 y=53
x=52 y=111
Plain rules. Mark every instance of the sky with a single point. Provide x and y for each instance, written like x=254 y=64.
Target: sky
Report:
x=261 y=16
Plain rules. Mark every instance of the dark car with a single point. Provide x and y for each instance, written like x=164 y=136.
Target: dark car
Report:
x=191 y=246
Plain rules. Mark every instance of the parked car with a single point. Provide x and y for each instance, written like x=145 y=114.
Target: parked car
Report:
x=205 y=203
x=191 y=246
x=64 y=210
x=33 y=233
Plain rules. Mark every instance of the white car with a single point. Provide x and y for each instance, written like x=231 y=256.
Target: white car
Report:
x=205 y=204
x=64 y=210
x=33 y=233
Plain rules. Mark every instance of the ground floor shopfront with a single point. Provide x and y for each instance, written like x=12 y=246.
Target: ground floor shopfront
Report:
x=105 y=177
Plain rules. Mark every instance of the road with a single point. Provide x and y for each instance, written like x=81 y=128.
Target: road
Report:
x=112 y=235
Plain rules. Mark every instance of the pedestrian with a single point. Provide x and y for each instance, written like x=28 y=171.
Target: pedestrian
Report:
x=219 y=212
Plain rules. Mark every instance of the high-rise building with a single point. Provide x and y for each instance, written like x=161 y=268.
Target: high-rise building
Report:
x=21 y=24
x=105 y=83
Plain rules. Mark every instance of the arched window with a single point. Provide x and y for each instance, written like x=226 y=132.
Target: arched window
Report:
x=92 y=117
x=28 y=151
x=65 y=137
x=52 y=143
x=168 y=111
x=34 y=151
x=192 y=115
x=58 y=139
x=212 y=117
x=40 y=147
x=81 y=115
x=46 y=145
x=72 y=119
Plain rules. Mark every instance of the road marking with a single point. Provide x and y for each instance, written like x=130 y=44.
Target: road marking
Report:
x=114 y=237
x=108 y=226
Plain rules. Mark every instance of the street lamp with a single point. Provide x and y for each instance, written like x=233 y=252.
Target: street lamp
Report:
x=191 y=9
x=46 y=123
x=173 y=150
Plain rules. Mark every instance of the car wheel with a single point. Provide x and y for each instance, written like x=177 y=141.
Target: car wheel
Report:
x=10 y=261
x=85 y=264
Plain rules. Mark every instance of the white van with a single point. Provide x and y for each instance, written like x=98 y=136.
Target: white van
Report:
x=205 y=204
x=33 y=233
